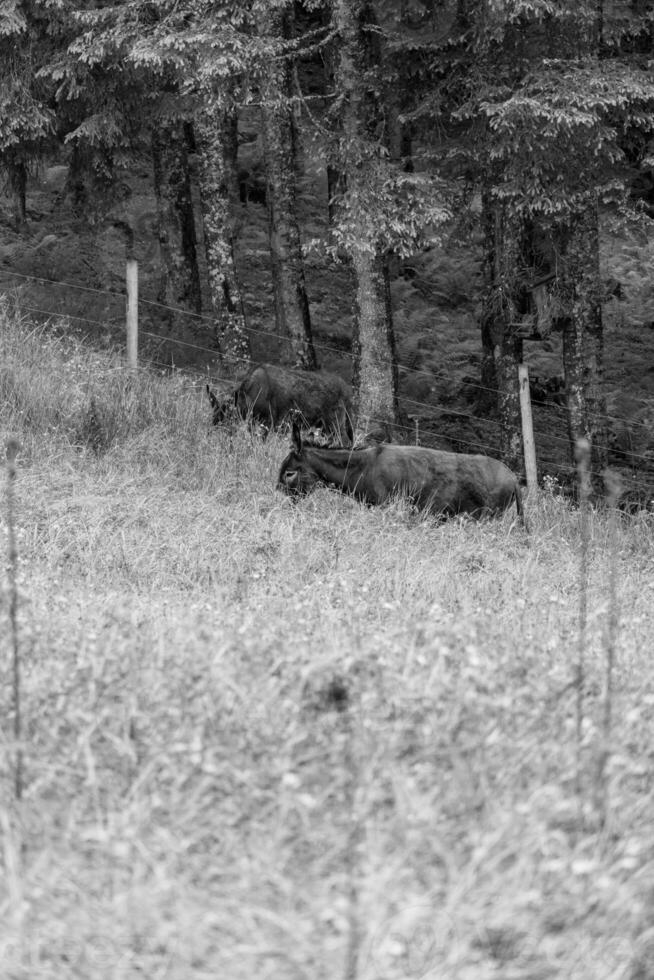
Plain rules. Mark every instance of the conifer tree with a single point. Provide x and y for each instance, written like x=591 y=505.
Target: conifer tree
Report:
x=292 y=317
x=28 y=36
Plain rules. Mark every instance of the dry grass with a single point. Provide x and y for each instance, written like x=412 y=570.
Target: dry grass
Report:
x=302 y=741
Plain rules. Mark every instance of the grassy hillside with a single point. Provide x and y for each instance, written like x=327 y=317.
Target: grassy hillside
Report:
x=62 y=267
x=315 y=740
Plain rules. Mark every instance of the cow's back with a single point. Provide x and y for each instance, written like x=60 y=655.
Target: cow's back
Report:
x=320 y=397
x=254 y=394
x=439 y=480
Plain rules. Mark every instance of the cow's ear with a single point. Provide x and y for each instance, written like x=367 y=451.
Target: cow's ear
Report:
x=296 y=437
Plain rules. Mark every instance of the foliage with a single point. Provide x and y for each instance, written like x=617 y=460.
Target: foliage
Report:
x=391 y=211
x=529 y=98
x=511 y=80
x=28 y=34
x=147 y=63
x=191 y=46
x=557 y=139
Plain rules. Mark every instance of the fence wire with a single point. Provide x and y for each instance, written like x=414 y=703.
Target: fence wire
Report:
x=420 y=410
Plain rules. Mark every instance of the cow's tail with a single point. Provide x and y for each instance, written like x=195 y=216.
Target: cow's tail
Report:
x=345 y=422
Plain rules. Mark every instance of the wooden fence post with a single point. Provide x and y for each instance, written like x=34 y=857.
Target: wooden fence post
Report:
x=527 y=431
x=132 y=278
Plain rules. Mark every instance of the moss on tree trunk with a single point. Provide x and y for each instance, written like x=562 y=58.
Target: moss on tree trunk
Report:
x=583 y=340
x=501 y=307
x=216 y=143
x=375 y=367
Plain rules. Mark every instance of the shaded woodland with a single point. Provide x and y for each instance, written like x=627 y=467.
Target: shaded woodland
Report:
x=286 y=174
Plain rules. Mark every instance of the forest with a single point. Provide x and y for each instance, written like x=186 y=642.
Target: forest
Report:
x=372 y=186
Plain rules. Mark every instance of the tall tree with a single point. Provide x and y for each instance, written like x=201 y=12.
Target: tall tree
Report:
x=176 y=58
x=102 y=105
x=28 y=35
x=179 y=288
x=556 y=141
x=382 y=209
x=501 y=308
x=375 y=365
x=579 y=288
x=506 y=264
x=292 y=315
x=216 y=138
x=536 y=116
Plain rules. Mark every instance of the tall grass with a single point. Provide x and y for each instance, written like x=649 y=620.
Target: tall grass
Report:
x=276 y=740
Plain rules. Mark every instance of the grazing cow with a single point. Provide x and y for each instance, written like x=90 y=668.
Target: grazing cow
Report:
x=439 y=482
x=269 y=394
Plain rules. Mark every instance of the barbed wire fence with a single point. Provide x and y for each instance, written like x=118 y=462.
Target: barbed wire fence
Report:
x=422 y=414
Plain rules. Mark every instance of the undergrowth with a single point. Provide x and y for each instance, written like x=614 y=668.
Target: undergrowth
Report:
x=317 y=739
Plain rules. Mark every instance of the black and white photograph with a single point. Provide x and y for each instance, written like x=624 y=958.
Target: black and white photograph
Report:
x=326 y=490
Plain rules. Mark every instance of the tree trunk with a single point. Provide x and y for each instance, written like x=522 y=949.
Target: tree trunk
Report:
x=398 y=141
x=290 y=296
x=580 y=295
x=180 y=279
x=336 y=187
x=398 y=131
x=17 y=180
x=486 y=400
x=508 y=355
x=336 y=184
x=215 y=141
x=400 y=146
x=502 y=302
x=375 y=363
x=90 y=182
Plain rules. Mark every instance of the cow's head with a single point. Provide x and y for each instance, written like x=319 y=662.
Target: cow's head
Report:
x=297 y=477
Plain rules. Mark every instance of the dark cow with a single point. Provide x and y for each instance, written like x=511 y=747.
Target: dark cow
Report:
x=269 y=394
x=439 y=482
